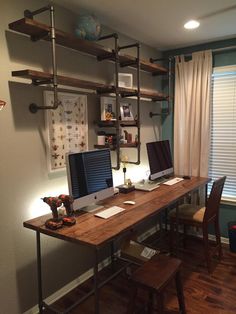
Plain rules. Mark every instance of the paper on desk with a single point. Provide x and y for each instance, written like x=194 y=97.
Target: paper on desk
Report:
x=148 y=253
x=173 y=181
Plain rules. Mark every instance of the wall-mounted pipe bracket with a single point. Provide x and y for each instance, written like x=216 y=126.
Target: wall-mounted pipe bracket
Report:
x=30 y=14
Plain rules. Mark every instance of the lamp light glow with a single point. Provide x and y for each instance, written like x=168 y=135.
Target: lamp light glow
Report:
x=192 y=24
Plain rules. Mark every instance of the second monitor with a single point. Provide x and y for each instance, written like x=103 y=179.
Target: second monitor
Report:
x=160 y=159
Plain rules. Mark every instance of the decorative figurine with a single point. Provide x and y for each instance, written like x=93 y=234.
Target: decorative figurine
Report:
x=55 y=222
x=67 y=201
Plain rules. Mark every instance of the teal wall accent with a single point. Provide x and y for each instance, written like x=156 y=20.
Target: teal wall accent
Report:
x=220 y=58
x=227 y=214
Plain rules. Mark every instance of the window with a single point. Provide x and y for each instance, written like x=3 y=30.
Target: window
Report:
x=223 y=129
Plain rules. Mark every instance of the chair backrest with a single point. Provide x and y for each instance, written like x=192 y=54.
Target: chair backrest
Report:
x=213 y=203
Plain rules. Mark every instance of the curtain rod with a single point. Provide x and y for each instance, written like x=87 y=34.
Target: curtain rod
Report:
x=213 y=50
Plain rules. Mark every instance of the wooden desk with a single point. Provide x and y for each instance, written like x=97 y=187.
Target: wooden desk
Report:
x=96 y=232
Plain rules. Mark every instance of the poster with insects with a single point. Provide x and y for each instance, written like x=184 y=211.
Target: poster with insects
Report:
x=67 y=127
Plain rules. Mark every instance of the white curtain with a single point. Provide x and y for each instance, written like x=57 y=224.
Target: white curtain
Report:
x=192 y=114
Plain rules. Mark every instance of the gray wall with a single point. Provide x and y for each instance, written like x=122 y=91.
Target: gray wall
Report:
x=23 y=167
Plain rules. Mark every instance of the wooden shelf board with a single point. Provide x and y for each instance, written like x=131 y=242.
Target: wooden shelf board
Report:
x=62 y=80
x=31 y=27
x=74 y=82
x=129 y=145
x=106 y=124
x=113 y=147
x=112 y=123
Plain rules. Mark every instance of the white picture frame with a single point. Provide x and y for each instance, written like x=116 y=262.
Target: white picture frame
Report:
x=108 y=109
x=126 y=112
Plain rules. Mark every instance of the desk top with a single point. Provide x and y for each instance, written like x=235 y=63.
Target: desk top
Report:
x=94 y=231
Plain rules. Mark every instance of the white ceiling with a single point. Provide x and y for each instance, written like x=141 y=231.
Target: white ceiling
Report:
x=159 y=23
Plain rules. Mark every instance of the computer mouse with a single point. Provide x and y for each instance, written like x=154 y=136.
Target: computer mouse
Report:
x=129 y=202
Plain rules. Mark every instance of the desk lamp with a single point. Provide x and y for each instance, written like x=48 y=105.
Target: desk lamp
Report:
x=127 y=185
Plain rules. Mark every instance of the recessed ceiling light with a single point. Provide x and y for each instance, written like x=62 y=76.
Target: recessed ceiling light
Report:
x=191 y=24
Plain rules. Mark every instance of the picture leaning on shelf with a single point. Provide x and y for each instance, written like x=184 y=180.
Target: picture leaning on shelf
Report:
x=108 y=108
x=126 y=112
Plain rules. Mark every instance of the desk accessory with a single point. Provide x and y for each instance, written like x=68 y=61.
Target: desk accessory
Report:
x=124 y=188
x=127 y=186
x=129 y=202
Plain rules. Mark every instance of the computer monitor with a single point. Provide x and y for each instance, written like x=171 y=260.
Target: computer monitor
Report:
x=89 y=177
x=160 y=160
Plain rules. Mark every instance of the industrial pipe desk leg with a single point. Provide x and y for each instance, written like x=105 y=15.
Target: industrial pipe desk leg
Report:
x=177 y=228
x=112 y=257
x=96 y=286
x=39 y=273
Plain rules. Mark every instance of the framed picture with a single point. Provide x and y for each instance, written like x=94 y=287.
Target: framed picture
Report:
x=108 y=108
x=126 y=112
x=67 y=127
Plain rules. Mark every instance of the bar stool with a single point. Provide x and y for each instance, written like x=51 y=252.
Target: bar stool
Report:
x=154 y=276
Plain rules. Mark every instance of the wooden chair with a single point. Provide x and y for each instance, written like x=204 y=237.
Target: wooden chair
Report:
x=154 y=276
x=202 y=217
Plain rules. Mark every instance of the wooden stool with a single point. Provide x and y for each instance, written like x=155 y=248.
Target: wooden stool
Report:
x=154 y=276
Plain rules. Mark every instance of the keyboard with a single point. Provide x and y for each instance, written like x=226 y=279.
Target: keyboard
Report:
x=109 y=212
x=147 y=186
x=173 y=181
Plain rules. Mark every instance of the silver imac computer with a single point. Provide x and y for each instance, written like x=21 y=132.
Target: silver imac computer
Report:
x=89 y=177
x=160 y=160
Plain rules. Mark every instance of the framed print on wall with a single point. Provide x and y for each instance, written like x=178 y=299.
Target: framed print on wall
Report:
x=108 y=108
x=126 y=112
x=67 y=127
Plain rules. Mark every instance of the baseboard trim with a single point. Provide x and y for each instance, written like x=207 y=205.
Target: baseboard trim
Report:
x=89 y=273
x=70 y=286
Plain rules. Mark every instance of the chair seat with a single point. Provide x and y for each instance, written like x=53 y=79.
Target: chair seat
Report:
x=188 y=212
x=157 y=272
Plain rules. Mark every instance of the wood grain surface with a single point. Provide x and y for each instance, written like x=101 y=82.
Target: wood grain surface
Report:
x=93 y=231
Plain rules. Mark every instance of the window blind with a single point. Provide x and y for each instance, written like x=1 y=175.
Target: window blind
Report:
x=222 y=159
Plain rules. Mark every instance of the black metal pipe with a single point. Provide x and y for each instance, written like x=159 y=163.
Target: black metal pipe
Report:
x=113 y=35
x=54 y=64
x=41 y=82
x=33 y=107
x=117 y=104
x=39 y=273
x=96 y=287
x=30 y=14
x=112 y=256
x=129 y=46
x=138 y=101
x=169 y=84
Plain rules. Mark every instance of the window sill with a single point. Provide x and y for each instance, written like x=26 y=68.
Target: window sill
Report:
x=227 y=201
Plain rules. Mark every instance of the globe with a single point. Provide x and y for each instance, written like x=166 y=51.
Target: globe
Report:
x=88 y=27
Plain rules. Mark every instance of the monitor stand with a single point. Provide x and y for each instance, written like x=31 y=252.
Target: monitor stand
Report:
x=161 y=180
x=91 y=208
